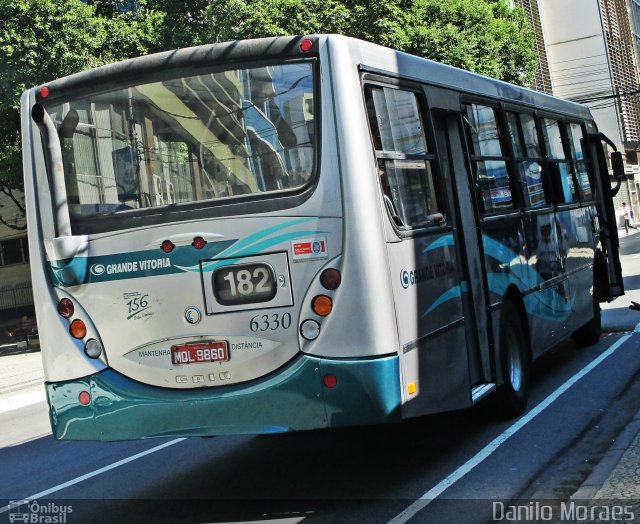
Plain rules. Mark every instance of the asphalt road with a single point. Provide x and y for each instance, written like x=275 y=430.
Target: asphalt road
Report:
x=461 y=463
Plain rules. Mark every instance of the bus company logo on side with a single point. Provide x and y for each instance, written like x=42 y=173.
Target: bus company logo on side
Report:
x=97 y=269
x=406 y=278
x=423 y=274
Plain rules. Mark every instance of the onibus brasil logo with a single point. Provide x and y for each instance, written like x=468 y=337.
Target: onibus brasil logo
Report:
x=38 y=512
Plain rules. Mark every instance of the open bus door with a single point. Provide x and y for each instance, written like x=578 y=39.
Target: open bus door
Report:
x=614 y=287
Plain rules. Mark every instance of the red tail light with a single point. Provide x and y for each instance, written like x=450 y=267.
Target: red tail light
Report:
x=65 y=308
x=199 y=242
x=84 y=398
x=330 y=381
x=167 y=246
x=330 y=278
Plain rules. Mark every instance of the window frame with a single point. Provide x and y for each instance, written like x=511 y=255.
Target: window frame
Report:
x=24 y=251
x=518 y=160
x=506 y=157
x=430 y=158
x=548 y=159
x=586 y=160
x=235 y=206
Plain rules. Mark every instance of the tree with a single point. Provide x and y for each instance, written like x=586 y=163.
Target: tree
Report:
x=483 y=36
x=45 y=39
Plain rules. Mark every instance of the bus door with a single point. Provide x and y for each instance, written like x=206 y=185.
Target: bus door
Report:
x=607 y=225
x=446 y=118
x=440 y=359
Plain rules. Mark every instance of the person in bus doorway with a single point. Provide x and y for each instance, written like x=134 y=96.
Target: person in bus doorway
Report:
x=547 y=263
x=628 y=215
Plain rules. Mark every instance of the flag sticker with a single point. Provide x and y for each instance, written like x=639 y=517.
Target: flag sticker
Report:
x=309 y=248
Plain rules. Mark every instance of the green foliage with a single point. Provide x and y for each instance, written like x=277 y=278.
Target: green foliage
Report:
x=184 y=24
x=45 y=39
x=240 y=19
x=484 y=36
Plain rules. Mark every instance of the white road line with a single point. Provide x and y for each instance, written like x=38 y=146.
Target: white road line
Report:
x=20 y=401
x=488 y=450
x=96 y=472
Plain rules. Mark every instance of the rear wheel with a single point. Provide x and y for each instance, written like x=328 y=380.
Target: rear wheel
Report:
x=589 y=334
x=515 y=362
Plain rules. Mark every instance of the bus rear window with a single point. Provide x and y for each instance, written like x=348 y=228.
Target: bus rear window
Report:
x=211 y=136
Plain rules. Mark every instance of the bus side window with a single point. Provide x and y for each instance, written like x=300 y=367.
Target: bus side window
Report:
x=582 y=167
x=488 y=158
x=405 y=161
x=561 y=178
x=528 y=155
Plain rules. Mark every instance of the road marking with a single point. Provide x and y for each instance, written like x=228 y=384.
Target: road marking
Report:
x=488 y=450
x=96 y=472
x=20 y=401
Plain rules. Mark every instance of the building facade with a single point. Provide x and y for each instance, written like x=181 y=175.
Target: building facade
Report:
x=16 y=297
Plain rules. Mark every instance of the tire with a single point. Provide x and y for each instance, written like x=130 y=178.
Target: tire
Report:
x=589 y=334
x=515 y=363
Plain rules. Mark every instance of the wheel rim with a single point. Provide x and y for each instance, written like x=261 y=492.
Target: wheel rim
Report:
x=514 y=361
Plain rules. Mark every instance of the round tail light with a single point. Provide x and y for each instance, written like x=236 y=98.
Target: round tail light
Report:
x=330 y=278
x=322 y=305
x=167 y=246
x=78 y=329
x=330 y=381
x=65 y=308
x=84 y=398
x=199 y=242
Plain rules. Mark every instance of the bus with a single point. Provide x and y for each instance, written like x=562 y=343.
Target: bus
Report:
x=305 y=232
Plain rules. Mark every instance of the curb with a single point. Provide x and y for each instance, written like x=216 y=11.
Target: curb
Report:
x=609 y=461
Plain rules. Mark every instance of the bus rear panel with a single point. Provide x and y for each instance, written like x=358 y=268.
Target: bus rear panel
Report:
x=187 y=242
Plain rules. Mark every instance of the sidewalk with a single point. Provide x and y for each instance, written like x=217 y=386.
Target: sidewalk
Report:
x=23 y=407
x=20 y=369
x=615 y=481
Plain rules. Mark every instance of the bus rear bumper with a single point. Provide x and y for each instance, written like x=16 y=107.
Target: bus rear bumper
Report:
x=291 y=399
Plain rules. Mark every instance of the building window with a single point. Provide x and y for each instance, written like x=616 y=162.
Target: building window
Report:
x=14 y=251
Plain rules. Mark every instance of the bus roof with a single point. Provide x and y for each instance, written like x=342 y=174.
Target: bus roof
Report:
x=365 y=54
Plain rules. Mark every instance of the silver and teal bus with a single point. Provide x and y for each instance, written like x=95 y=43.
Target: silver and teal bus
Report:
x=304 y=232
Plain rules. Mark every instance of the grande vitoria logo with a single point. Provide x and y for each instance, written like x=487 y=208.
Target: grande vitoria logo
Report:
x=405 y=279
x=97 y=269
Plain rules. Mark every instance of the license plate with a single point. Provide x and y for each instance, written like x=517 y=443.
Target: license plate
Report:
x=199 y=352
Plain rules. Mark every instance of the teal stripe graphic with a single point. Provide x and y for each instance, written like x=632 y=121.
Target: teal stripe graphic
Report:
x=121 y=266
x=548 y=304
x=259 y=235
x=260 y=246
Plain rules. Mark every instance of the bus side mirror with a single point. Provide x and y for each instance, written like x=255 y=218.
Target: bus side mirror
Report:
x=617 y=165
